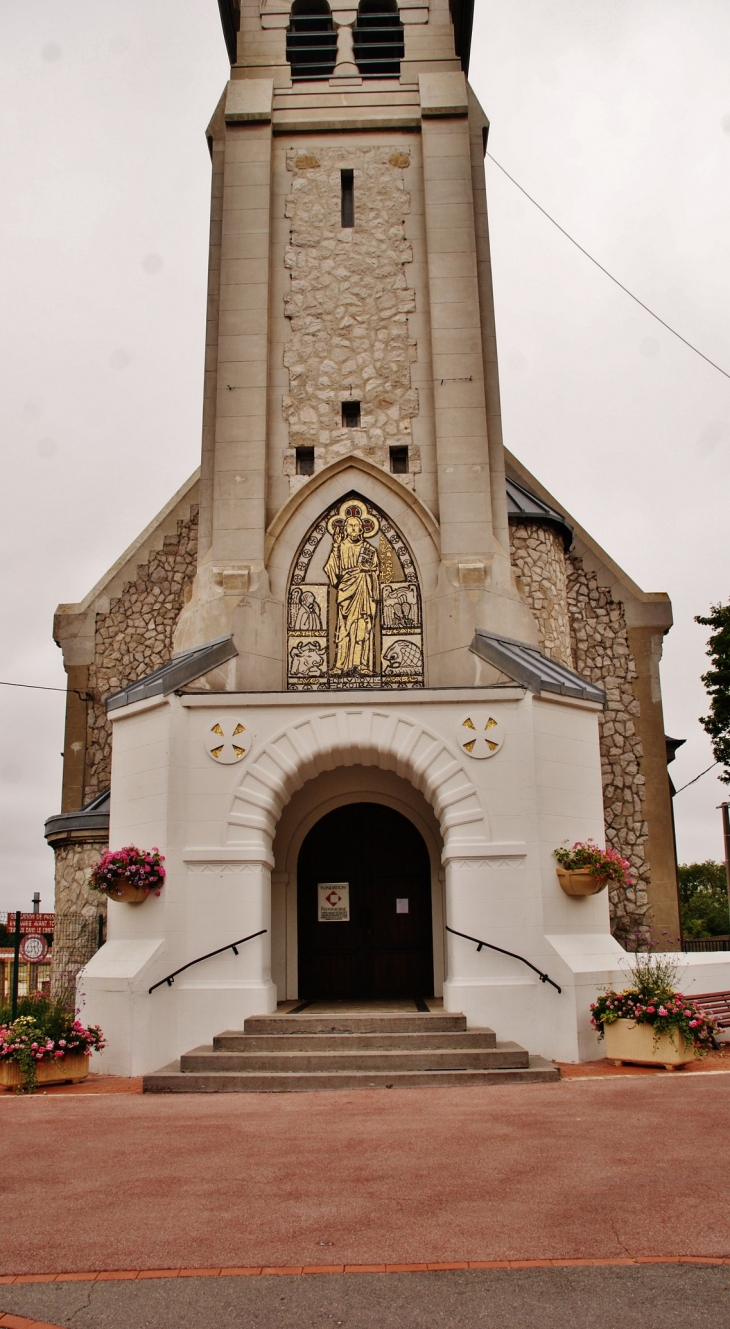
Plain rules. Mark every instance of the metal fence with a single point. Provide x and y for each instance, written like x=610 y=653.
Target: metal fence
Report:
x=706 y=944
x=76 y=938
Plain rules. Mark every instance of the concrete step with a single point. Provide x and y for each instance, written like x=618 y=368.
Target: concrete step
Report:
x=391 y=1023
x=233 y=1041
x=208 y=1059
x=170 y=1080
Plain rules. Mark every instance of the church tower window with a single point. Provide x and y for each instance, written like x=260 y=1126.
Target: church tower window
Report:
x=311 y=40
x=347 y=184
x=305 y=461
x=354 y=605
x=378 y=39
x=351 y=415
x=399 y=461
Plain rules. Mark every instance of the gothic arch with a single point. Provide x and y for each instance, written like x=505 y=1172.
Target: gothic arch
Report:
x=291 y=522
x=347 y=736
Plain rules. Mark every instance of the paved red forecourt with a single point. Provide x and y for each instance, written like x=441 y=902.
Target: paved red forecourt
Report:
x=484 y=1177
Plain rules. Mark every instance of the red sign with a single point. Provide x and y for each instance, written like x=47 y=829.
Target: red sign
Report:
x=31 y=922
x=33 y=948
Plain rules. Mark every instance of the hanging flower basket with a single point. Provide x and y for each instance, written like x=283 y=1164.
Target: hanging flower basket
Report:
x=125 y=890
x=581 y=882
x=585 y=869
x=128 y=875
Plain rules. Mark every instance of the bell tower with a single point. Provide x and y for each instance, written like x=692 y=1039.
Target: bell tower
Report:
x=350 y=319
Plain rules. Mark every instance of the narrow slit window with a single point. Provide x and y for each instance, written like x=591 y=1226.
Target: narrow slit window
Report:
x=348 y=197
x=305 y=461
x=351 y=414
x=399 y=461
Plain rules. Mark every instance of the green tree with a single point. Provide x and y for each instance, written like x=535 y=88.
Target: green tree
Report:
x=717 y=683
x=703 y=896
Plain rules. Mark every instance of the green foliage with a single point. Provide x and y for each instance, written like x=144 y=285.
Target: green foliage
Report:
x=53 y=1016
x=717 y=683
x=703 y=897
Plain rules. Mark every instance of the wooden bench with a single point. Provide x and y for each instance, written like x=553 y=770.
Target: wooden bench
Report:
x=715 y=1004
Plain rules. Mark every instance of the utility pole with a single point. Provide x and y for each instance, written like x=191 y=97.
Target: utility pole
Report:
x=725 y=809
x=36 y=902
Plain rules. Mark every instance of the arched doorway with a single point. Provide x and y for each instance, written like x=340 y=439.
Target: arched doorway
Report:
x=384 y=947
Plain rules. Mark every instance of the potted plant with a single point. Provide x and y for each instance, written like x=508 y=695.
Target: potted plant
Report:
x=128 y=874
x=45 y=1044
x=585 y=869
x=650 y=1022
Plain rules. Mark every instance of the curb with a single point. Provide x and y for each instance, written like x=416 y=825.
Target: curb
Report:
x=266 y=1271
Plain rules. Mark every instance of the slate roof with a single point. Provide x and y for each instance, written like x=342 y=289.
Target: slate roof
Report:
x=94 y=816
x=181 y=669
x=528 y=666
x=524 y=506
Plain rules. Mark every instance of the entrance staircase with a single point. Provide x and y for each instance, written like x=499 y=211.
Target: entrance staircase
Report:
x=292 y=1053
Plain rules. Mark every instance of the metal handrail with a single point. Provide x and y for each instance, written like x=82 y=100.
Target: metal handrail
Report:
x=544 y=978
x=232 y=946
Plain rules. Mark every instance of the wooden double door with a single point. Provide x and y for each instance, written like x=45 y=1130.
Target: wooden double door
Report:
x=385 y=947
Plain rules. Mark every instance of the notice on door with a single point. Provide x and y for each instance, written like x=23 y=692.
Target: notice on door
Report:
x=334 y=901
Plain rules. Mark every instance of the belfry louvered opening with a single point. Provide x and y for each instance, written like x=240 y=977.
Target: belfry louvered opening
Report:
x=378 y=39
x=311 y=40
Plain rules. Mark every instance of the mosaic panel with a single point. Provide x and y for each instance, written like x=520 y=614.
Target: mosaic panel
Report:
x=354 y=616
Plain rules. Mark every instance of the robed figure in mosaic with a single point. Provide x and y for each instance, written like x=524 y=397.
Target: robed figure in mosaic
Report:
x=354 y=571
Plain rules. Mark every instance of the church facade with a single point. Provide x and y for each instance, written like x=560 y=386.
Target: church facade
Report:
x=363 y=661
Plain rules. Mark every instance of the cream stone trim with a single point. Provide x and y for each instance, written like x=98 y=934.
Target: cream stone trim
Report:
x=249 y=99
x=399 y=491
x=443 y=94
x=366 y=737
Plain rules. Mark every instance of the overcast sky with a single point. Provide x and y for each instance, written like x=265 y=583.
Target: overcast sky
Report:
x=614 y=115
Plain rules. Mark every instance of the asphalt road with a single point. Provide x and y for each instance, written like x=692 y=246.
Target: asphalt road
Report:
x=639 y=1297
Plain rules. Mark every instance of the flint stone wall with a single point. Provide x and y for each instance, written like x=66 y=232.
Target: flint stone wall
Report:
x=348 y=304
x=135 y=637
x=582 y=626
x=77 y=912
x=538 y=558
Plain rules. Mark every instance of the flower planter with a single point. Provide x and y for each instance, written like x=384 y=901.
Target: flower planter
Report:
x=126 y=892
x=74 y=1067
x=581 y=881
x=628 y=1041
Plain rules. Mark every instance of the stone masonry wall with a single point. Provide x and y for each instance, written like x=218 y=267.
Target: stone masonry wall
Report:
x=538 y=558
x=566 y=599
x=135 y=637
x=348 y=304
x=77 y=912
x=601 y=654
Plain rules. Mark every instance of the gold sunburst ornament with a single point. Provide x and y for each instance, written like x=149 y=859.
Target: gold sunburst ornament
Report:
x=227 y=740
x=479 y=734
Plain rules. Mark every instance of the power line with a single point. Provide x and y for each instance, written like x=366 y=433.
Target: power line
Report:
x=38 y=687
x=697 y=777
x=621 y=286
